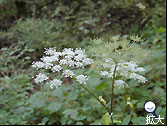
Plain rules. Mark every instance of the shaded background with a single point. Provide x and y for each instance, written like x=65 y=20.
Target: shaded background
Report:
x=29 y=26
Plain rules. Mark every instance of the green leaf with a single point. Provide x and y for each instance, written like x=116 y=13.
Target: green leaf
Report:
x=155 y=41
x=54 y=107
x=126 y=120
x=30 y=50
x=139 y=120
x=161 y=30
x=158 y=110
x=140 y=104
x=102 y=85
x=107 y=119
x=79 y=123
x=44 y=120
x=73 y=113
x=80 y=117
x=27 y=58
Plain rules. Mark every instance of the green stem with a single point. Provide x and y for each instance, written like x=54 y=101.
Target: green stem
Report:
x=93 y=96
x=112 y=93
x=125 y=95
x=125 y=98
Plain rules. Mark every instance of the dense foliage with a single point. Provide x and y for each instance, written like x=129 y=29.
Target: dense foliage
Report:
x=29 y=26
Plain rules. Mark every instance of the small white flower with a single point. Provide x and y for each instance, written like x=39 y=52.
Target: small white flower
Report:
x=68 y=53
x=55 y=83
x=137 y=77
x=105 y=65
x=87 y=61
x=128 y=66
x=56 y=68
x=63 y=61
x=141 y=6
x=120 y=83
x=55 y=61
x=49 y=59
x=110 y=75
x=104 y=73
x=38 y=64
x=79 y=57
x=71 y=63
x=82 y=79
x=79 y=64
x=112 y=69
x=79 y=54
x=48 y=65
x=68 y=73
x=79 y=51
x=109 y=60
x=140 y=69
x=40 y=78
x=50 y=51
x=142 y=79
x=124 y=73
x=126 y=69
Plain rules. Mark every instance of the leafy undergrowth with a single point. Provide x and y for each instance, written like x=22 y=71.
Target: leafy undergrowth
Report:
x=22 y=101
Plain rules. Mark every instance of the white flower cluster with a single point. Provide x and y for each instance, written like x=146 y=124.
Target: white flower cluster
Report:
x=126 y=69
x=120 y=84
x=82 y=79
x=141 y=6
x=68 y=73
x=62 y=62
x=40 y=78
x=56 y=68
x=55 y=83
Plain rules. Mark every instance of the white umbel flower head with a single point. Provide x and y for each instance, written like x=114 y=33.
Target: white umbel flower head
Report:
x=56 y=68
x=79 y=64
x=55 y=83
x=109 y=60
x=87 y=61
x=71 y=63
x=137 y=77
x=104 y=73
x=82 y=79
x=131 y=66
x=49 y=59
x=40 y=78
x=139 y=69
x=106 y=65
x=62 y=62
x=68 y=53
x=79 y=54
x=38 y=65
x=68 y=73
x=120 y=83
x=50 y=51
x=48 y=65
x=128 y=70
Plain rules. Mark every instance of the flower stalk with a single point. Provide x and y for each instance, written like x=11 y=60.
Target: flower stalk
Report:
x=93 y=96
x=112 y=93
x=125 y=99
